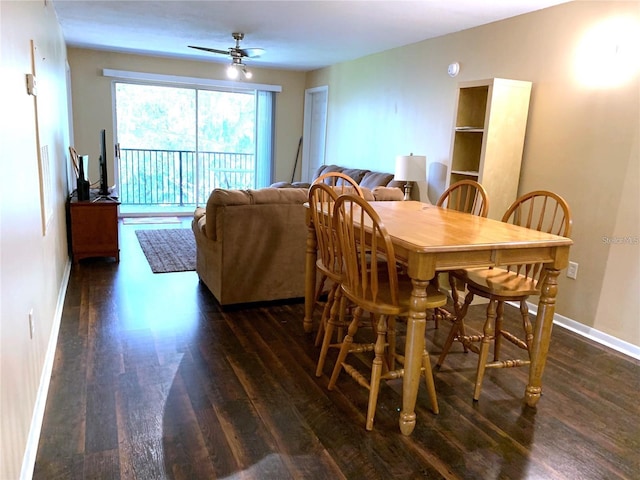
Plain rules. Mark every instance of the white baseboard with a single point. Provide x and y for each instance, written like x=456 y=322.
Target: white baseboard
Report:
x=31 y=450
x=602 y=338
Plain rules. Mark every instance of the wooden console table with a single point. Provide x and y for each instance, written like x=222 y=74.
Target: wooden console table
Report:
x=94 y=228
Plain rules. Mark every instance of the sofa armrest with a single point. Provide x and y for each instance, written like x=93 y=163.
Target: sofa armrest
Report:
x=219 y=198
x=199 y=213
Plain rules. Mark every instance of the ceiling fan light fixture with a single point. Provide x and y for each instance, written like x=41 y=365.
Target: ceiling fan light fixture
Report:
x=236 y=67
x=232 y=71
x=236 y=53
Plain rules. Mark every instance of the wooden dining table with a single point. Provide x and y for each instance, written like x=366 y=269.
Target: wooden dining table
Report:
x=432 y=239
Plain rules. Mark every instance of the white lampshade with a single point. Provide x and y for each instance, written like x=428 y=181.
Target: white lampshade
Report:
x=411 y=168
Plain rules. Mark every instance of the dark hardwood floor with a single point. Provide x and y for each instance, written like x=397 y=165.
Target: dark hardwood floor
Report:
x=152 y=380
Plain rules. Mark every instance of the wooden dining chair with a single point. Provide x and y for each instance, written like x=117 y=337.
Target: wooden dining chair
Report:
x=372 y=283
x=466 y=196
x=542 y=211
x=322 y=195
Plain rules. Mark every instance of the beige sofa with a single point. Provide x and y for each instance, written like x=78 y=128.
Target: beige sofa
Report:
x=251 y=244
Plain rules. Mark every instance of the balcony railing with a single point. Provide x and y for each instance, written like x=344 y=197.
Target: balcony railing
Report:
x=168 y=177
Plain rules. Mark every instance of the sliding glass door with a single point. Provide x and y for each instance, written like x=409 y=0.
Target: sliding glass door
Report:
x=226 y=140
x=179 y=143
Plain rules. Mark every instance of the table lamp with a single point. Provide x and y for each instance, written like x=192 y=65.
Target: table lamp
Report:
x=410 y=168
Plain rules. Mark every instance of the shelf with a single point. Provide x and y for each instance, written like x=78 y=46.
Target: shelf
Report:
x=470 y=129
x=468 y=173
x=472 y=106
x=467 y=150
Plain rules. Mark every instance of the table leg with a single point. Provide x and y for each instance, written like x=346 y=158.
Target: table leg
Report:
x=413 y=355
x=310 y=279
x=542 y=335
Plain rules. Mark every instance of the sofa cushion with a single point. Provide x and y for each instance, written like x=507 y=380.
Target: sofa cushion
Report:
x=387 y=193
x=290 y=185
x=221 y=197
x=278 y=195
x=281 y=185
x=355 y=173
x=375 y=179
x=365 y=178
x=322 y=169
x=368 y=194
x=396 y=184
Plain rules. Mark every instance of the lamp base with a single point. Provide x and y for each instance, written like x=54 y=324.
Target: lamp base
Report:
x=407 y=191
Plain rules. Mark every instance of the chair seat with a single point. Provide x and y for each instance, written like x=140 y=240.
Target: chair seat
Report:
x=498 y=282
x=331 y=273
x=383 y=305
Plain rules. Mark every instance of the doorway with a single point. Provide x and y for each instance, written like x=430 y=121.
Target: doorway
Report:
x=314 y=131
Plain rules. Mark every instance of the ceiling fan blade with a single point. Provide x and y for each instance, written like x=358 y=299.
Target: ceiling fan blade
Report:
x=212 y=50
x=251 y=52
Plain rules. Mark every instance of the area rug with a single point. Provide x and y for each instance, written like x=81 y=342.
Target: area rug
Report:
x=168 y=250
x=149 y=220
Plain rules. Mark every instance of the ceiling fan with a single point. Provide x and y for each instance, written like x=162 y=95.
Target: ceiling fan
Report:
x=237 y=54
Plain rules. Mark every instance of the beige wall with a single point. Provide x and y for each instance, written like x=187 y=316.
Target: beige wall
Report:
x=33 y=266
x=93 y=111
x=582 y=141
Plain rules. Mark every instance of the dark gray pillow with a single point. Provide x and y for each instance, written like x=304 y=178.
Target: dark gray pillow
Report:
x=376 y=179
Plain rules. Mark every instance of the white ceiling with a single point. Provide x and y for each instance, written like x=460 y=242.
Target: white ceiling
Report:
x=297 y=35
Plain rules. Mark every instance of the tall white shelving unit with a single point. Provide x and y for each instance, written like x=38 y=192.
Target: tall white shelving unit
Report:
x=488 y=137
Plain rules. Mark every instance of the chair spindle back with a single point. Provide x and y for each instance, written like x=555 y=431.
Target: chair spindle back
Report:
x=367 y=253
x=341 y=183
x=543 y=211
x=466 y=196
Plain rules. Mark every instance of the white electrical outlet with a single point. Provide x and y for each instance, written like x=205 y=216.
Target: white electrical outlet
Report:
x=572 y=270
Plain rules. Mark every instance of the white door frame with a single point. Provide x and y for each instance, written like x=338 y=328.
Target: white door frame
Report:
x=314 y=130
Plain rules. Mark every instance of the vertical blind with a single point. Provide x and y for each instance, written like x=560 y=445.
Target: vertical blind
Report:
x=265 y=134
